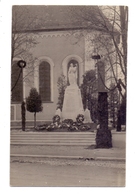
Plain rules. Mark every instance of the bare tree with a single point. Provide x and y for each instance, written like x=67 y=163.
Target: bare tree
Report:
x=21 y=41
x=108 y=35
x=108 y=26
x=24 y=23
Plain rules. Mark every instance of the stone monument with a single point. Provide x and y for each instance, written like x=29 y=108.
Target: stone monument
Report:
x=72 y=105
x=87 y=116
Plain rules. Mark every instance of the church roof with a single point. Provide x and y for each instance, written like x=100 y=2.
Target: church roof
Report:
x=49 y=18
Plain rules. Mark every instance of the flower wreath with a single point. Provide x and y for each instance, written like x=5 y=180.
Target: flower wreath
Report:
x=56 y=118
x=80 y=118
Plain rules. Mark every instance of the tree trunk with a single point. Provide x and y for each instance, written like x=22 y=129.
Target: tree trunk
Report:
x=118 y=121
x=34 y=120
x=103 y=136
x=23 y=111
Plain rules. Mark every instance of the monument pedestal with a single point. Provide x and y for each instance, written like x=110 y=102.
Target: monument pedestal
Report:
x=72 y=105
x=87 y=116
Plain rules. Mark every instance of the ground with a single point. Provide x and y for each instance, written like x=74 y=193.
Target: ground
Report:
x=54 y=172
x=36 y=164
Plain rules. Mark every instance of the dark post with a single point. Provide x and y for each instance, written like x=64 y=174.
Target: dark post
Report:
x=23 y=109
x=119 y=111
x=118 y=121
x=21 y=64
x=103 y=136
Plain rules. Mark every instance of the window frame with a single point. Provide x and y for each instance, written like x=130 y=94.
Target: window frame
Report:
x=36 y=75
x=42 y=91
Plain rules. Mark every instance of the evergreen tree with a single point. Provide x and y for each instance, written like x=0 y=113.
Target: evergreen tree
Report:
x=34 y=103
x=61 y=84
x=89 y=93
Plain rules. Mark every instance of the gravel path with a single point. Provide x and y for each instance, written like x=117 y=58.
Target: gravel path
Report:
x=68 y=151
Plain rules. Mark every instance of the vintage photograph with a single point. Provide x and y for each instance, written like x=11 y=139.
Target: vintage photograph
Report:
x=68 y=96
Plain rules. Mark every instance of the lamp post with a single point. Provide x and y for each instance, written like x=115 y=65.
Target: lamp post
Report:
x=103 y=136
x=21 y=64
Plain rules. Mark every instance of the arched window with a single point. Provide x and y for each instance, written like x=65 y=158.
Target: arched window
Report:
x=74 y=62
x=17 y=92
x=44 y=81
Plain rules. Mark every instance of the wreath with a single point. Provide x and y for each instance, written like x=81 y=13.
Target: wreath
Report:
x=50 y=127
x=84 y=127
x=68 y=121
x=56 y=119
x=73 y=127
x=80 y=118
x=21 y=63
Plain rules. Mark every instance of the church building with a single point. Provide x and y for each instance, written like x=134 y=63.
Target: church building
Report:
x=49 y=39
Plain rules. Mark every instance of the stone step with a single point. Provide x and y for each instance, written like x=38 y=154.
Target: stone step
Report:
x=53 y=138
x=50 y=133
x=53 y=134
x=64 y=143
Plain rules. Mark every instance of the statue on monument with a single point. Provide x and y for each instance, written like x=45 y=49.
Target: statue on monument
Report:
x=72 y=74
x=72 y=104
